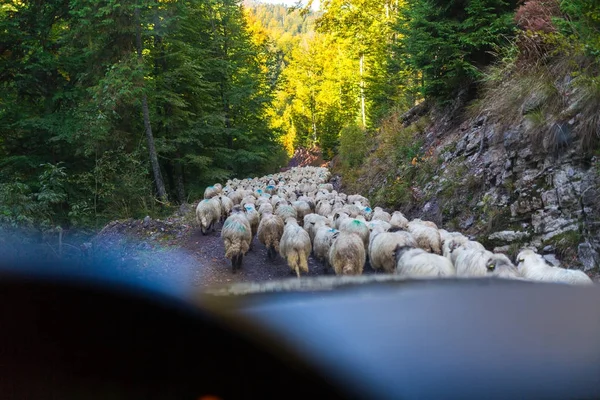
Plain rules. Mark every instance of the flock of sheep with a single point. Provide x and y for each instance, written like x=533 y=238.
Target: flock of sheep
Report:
x=298 y=211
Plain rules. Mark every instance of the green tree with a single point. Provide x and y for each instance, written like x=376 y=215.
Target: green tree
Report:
x=449 y=42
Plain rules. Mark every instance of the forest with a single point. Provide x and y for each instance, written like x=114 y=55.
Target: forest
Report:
x=118 y=108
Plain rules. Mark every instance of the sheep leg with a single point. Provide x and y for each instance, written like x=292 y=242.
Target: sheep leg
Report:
x=239 y=261
x=271 y=253
x=298 y=272
x=203 y=231
x=234 y=263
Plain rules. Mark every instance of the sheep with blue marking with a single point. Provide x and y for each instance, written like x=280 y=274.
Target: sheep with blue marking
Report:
x=208 y=213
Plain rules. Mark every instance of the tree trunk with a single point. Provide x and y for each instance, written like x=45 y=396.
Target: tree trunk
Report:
x=179 y=185
x=362 y=91
x=158 y=180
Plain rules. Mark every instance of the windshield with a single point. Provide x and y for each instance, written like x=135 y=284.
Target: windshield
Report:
x=218 y=143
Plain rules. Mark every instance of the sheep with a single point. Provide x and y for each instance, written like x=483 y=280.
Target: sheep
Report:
x=381 y=215
x=208 y=212
x=286 y=211
x=353 y=225
x=253 y=218
x=302 y=208
x=382 y=247
x=451 y=242
x=413 y=262
x=352 y=210
x=275 y=199
x=248 y=199
x=325 y=207
x=534 y=267
x=226 y=206
x=295 y=246
x=456 y=250
x=426 y=223
x=270 y=231
x=312 y=222
x=338 y=217
x=271 y=189
x=265 y=208
x=236 y=197
x=427 y=238
x=323 y=239
x=484 y=263
x=356 y=197
x=211 y=192
x=378 y=225
x=347 y=254
x=398 y=220
x=236 y=235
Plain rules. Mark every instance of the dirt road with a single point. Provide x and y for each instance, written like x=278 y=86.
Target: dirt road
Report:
x=213 y=269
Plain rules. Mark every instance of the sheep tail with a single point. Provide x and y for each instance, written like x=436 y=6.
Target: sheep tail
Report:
x=303 y=261
x=232 y=248
x=292 y=260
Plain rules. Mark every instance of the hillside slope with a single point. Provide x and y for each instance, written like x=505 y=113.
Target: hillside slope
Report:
x=495 y=180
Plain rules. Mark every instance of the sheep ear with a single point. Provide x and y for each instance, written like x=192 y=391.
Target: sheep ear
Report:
x=491 y=266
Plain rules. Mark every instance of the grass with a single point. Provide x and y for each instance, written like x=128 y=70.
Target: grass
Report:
x=546 y=92
x=566 y=244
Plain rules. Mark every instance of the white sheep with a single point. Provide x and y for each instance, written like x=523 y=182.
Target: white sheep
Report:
x=312 y=222
x=356 y=197
x=377 y=225
x=226 y=206
x=254 y=219
x=357 y=226
x=456 y=250
x=265 y=208
x=534 y=267
x=236 y=235
x=426 y=223
x=379 y=214
x=269 y=233
x=302 y=208
x=323 y=239
x=382 y=248
x=212 y=191
x=286 y=211
x=208 y=213
x=484 y=263
x=398 y=220
x=236 y=196
x=248 y=199
x=417 y=263
x=325 y=207
x=427 y=238
x=347 y=254
x=352 y=210
x=295 y=246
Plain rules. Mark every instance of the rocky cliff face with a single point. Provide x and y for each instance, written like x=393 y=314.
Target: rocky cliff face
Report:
x=510 y=190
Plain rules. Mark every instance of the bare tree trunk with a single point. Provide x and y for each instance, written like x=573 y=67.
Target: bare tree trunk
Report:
x=313 y=118
x=362 y=91
x=158 y=180
x=179 y=185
